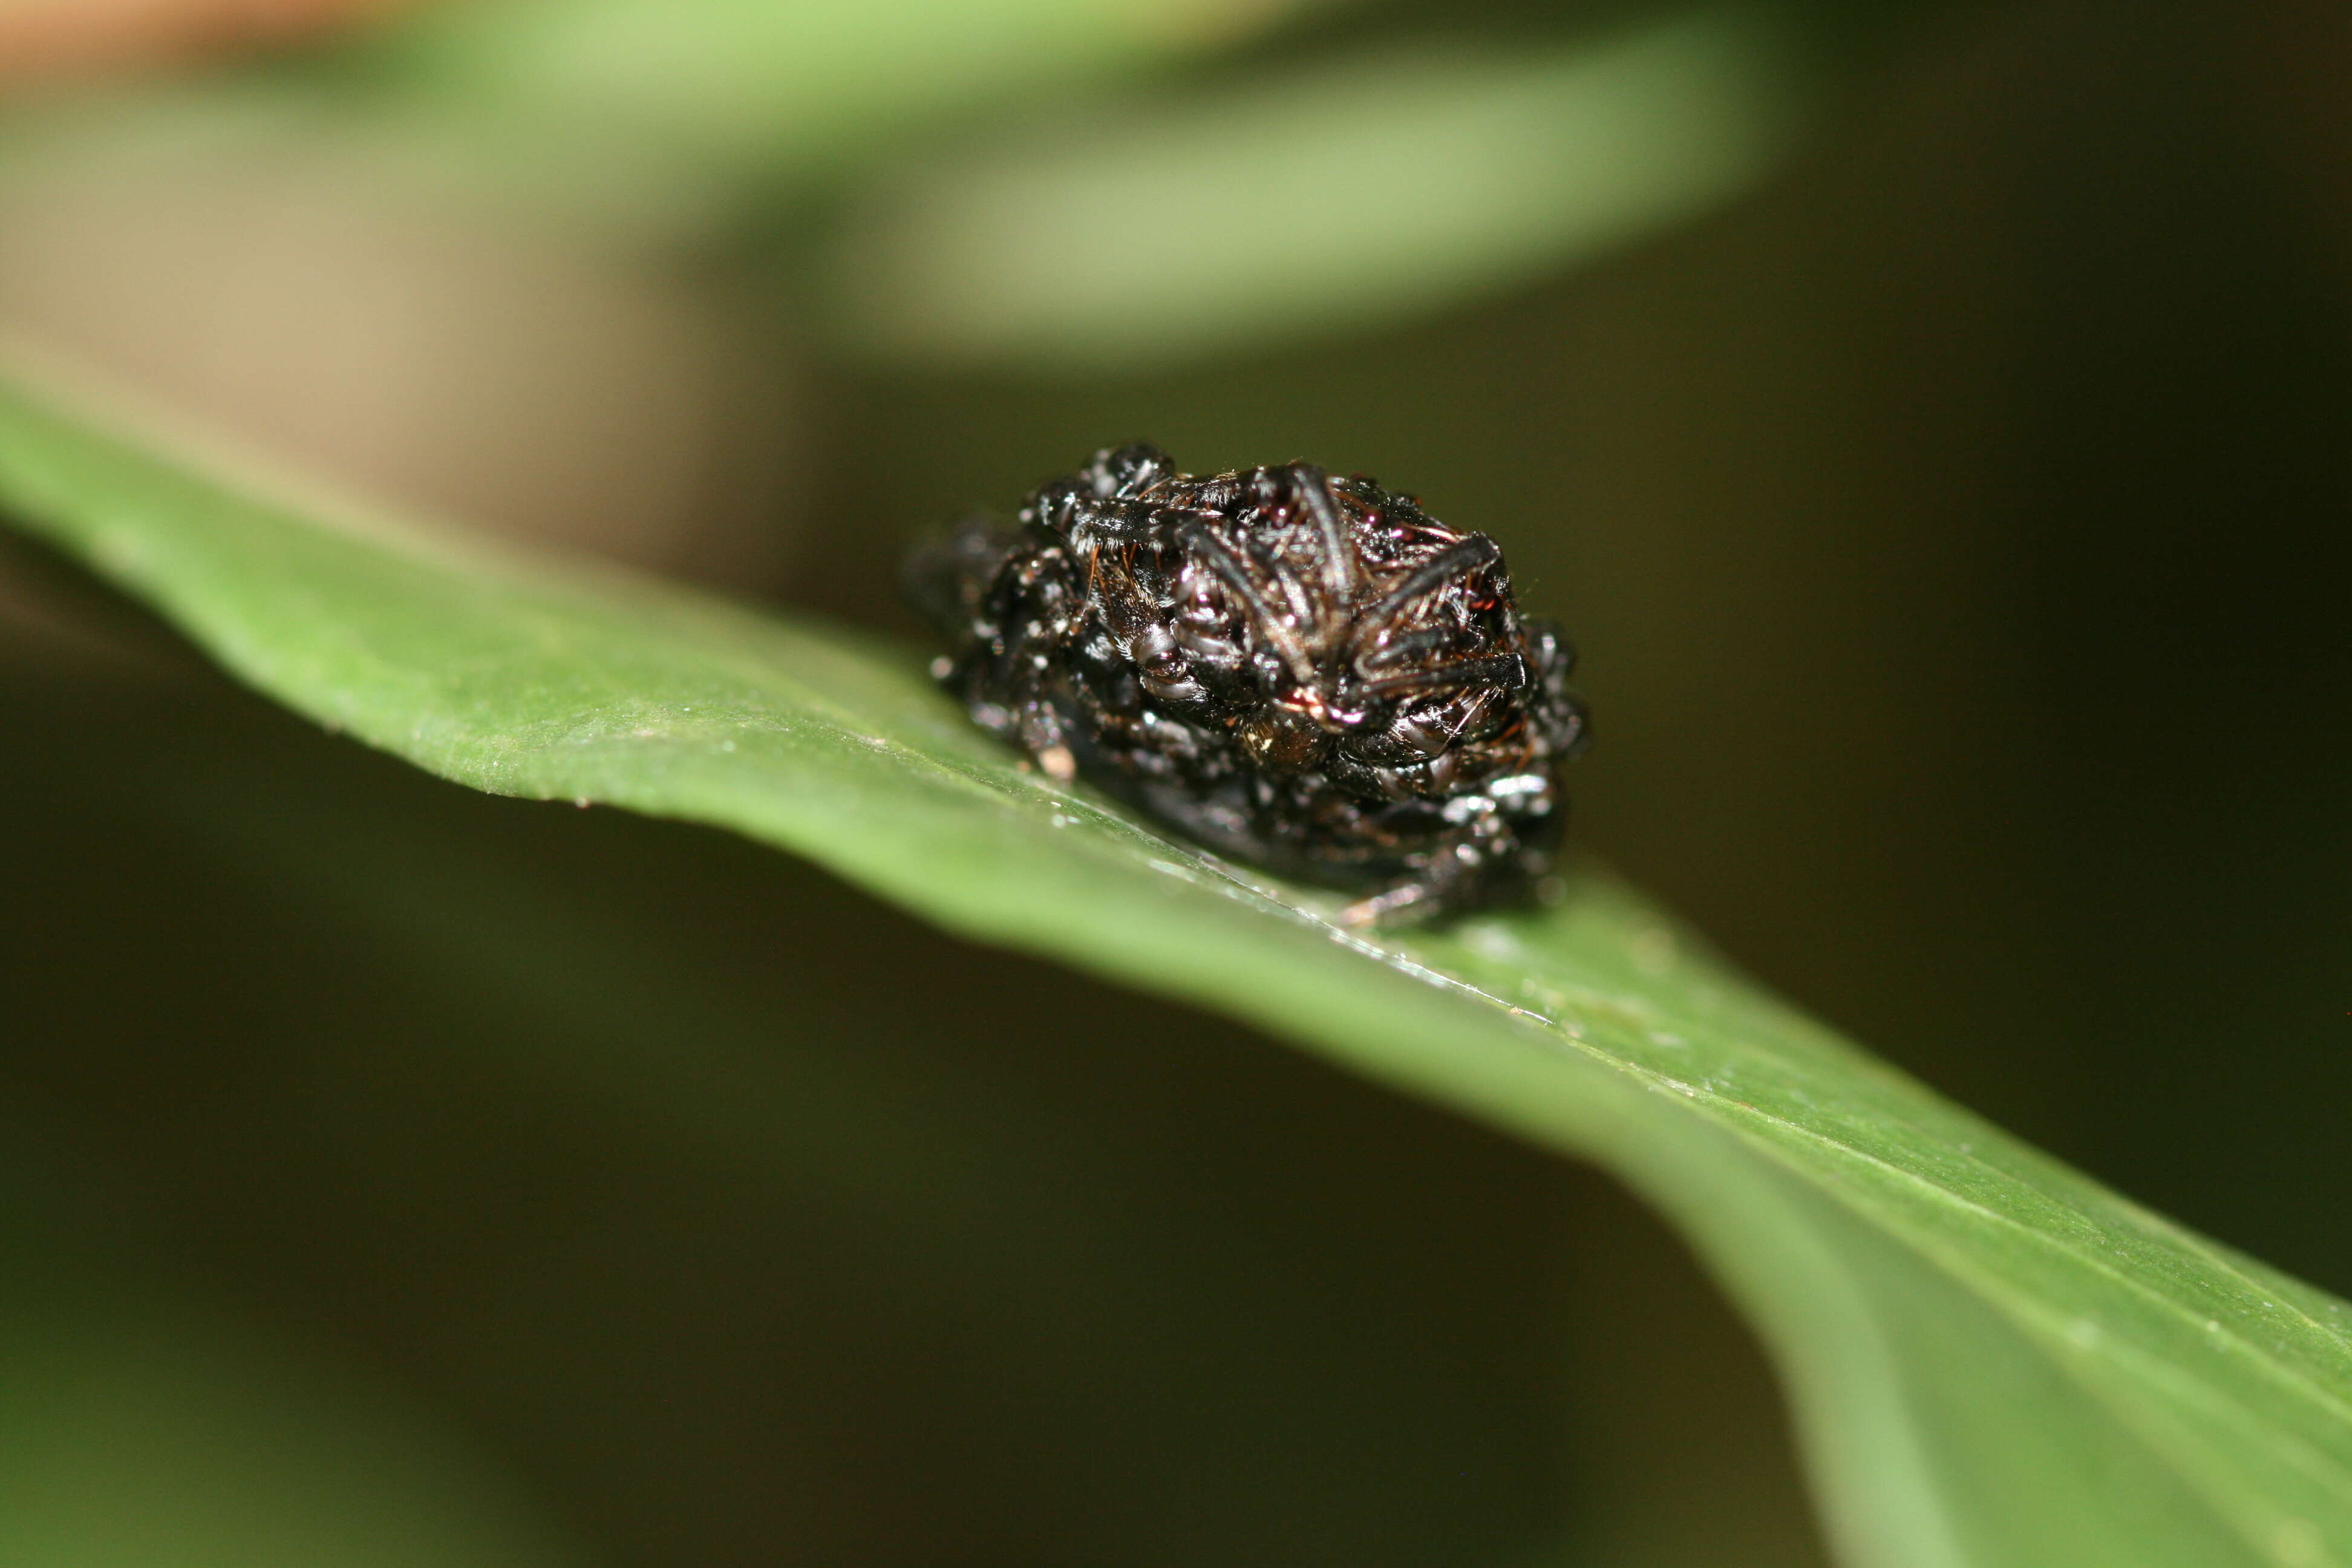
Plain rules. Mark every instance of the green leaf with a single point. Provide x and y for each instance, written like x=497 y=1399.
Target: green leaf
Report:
x=745 y=83
x=1358 y=191
x=658 y=121
x=1991 y=1360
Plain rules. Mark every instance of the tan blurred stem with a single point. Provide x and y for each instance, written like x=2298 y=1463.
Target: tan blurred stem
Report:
x=40 y=37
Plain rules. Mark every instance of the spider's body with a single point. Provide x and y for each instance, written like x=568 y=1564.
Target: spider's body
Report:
x=1308 y=673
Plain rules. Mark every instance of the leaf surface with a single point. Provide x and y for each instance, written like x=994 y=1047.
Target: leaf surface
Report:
x=1992 y=1360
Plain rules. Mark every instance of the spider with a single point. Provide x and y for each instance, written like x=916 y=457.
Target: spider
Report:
x=1305 y=672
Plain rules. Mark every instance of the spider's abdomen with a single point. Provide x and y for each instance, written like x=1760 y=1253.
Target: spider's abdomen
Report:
x=1307 y=673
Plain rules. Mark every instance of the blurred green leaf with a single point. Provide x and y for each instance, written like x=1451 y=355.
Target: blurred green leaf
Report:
x=1022 y=182
x=663 y=120
x=750 y=81
x=1318 y=200
x=1992 y=1360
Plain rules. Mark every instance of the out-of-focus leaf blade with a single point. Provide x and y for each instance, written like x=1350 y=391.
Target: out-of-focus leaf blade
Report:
x=1323 y=200
x=1993 y=1360
x=656 y=121
x=741 y=81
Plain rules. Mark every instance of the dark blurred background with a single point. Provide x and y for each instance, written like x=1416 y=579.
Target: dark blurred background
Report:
x=1955 y=515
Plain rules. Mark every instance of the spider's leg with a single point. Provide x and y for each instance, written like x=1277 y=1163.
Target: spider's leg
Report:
x=1428 y=639
x=1340 y=575
x=1385 y=905
x=1125 y=470
x=1454 y=560
x=1198 y=538
x=1504 y=669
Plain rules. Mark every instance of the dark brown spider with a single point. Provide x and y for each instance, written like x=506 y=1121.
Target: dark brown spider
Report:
x=1308 y=673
